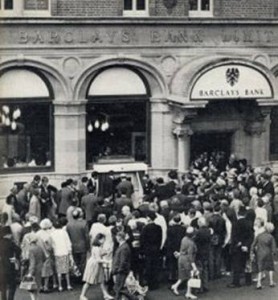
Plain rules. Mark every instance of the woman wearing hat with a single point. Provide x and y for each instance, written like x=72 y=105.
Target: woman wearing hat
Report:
x=186 y=262
x=48 y=266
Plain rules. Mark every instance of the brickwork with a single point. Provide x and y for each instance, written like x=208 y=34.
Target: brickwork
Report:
x=113 y=8
x=246 y=8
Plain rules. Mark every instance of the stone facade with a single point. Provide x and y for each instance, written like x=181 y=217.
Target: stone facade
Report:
x=170 y=53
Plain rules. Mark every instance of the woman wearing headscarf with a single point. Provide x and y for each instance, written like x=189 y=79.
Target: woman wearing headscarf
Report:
x=186 y=262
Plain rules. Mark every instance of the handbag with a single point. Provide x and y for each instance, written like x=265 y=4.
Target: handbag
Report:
x=194 y=281
x=28 y=284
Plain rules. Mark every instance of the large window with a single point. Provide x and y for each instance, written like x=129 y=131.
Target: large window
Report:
x=274 y=134
x=117 y=118
x=25 y=122
x=25 y=8
x=136 y=8
x=200 y=8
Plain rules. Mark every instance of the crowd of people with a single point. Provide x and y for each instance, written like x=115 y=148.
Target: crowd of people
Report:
x=218 y=219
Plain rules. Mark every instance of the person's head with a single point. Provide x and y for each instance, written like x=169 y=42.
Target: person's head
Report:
x=173 y=174
x=151 y=216
x=84 y=179
x=99 y=240
x=264 y=178
x=217 y=208
x=159 y=180
x=176 y=219
x=242 y=211
x=36 y=192
x=112 y=220
x=69 y=182
x=153 y=207
x=253 y=191
x=190 y=231
x=164 y=204
x=269 y=227
x=202 y=222
x=136 y=214
x=121 y=237
x=10 y=200
x=63 y=221
x=45 y=224
x=260 y=203
x=94 y=174
x=101 y=218
x=123 y=176
x=35 y=227
x=125 y=210
x=57 y=224
x=37 y=179
x=76 y=213
x=192 y=212
x=45 y=180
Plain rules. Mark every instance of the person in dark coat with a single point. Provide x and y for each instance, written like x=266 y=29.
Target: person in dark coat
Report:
x=121 y=264
x=150 y=242
x=217 y=224
x=125 y=186
x=175 y=234
x=9 y=255
x=241 y=241
x=265 y=186
x=88 y=205
x=122 y=201
x=203 y=242
x=66 y=195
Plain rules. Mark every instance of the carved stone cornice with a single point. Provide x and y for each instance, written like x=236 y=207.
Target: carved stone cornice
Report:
x=184 y=116
x=182 y=132
x=255 y=128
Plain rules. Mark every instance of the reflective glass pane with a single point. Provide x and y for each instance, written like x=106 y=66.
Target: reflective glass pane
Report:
x=127 y=4
x=141 y=5
x=25 y=135
x=8 y=4
x=193 y=4
x=205 y=5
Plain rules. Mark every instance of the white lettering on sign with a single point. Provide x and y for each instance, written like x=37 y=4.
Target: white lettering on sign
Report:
x=231 y=81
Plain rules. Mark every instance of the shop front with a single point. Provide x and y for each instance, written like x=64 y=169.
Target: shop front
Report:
x=83 y=96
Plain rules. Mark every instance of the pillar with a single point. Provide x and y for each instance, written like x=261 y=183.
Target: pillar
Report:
x=183 y=134
x=70 y=137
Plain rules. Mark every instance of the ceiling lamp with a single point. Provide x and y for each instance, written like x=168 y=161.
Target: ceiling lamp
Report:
x=97 y=124
x=90 y=127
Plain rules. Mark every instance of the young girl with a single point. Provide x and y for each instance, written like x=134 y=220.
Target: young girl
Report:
x=264 y=247
x=94 y=273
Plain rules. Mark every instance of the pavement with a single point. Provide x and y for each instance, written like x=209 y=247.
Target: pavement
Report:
x=217 y=291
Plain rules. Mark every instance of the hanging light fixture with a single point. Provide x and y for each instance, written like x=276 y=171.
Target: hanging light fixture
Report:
x=8 y=121
x=90 y=127
x=6 y=109
x=13 y=125
x=97 y=124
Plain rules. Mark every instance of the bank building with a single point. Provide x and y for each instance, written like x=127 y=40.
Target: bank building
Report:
x=135 y=85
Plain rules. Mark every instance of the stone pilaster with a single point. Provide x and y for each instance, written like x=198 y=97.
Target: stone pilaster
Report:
x=70 y=137
x=183 y=134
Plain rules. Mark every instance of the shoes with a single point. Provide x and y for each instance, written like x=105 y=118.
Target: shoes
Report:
x=272 y=285
x=190 y=296
x=60 y=289
x=108 y=297
x=232 y=286
x=69 y=288
x=83 y=298
x=259 y=287
x=174 y=290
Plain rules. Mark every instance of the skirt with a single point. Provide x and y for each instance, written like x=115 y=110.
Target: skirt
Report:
x=48 y=268
x=94 y=273
x=62 y=264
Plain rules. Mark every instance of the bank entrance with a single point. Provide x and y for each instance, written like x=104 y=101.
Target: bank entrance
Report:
x=211 y=142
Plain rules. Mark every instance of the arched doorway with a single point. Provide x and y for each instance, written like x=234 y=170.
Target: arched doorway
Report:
x=26 y=127
x=117 y=125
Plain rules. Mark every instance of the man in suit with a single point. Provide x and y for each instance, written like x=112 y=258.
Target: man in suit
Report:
x=93 y=183
x=266 y=186
x=125 y=185
x=150 y=241
x=122 y=201
x=88 y=204
x=66 y=196
x=121 y=264
x=242 y=238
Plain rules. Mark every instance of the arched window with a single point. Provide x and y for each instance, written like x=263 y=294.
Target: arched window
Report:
x=26 y=137
x=117 y=117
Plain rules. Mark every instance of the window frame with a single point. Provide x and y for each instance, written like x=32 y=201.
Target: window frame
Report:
x=199 y=13
x=19 y=10
x=137 y=13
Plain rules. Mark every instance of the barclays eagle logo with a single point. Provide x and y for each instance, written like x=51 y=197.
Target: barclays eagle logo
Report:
x=232 y=76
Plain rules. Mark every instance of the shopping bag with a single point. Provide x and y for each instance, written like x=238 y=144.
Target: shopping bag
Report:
x=194 y=283
x=28 y=284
